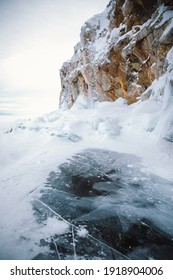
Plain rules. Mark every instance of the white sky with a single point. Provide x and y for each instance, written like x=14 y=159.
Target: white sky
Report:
x=36 y=37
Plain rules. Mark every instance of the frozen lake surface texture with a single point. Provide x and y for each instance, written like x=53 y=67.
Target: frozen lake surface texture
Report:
x=112 y=208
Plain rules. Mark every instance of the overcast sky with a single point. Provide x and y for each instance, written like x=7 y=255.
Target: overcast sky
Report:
x=36 y=37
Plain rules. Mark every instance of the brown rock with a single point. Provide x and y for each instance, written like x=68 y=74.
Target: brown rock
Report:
x=120 y=58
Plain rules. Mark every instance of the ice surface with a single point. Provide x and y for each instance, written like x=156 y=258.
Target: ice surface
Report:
x=123 y=155
x=32 y=149
x=106 y=197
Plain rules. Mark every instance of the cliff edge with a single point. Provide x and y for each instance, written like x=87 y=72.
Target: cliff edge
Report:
x=120 y=53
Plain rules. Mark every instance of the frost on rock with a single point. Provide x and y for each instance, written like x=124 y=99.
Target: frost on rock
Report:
x=121 y=52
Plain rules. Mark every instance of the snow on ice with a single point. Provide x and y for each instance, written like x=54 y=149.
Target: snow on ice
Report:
x=136 y=140
x=32 y=149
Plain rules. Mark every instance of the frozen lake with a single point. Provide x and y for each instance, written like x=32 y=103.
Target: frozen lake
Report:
x=113 y=209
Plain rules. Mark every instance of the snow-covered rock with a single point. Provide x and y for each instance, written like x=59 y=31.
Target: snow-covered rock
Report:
x=120 y=53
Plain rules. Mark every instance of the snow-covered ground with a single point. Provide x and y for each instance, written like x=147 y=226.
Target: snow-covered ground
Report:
x=32 y=149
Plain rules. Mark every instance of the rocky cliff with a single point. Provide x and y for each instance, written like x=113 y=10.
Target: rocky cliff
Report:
x=120 y=53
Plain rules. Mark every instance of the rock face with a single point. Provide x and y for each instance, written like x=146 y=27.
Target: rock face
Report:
x=120 y=53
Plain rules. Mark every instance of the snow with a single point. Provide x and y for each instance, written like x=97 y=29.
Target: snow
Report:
x=168 y=29
x=102 y=35
x=33 y=148
x=82 y=232
x=165 y=17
